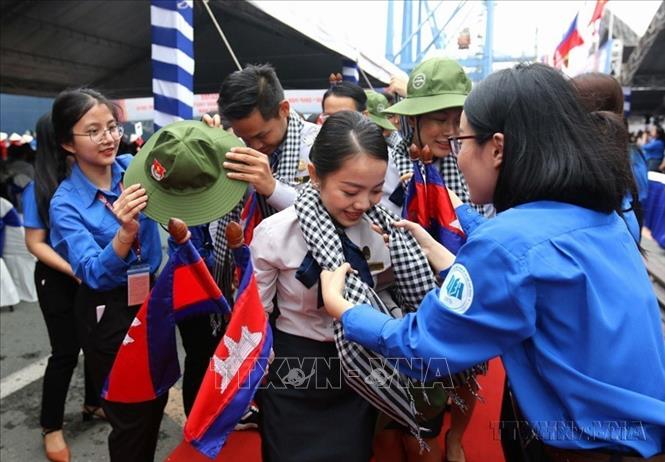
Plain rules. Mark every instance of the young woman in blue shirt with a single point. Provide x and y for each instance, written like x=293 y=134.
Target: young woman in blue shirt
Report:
x=56 y=289
x=96 y=225
x=555 y=284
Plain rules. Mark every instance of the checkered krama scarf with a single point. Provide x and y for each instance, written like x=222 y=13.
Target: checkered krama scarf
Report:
x=288 y=157
x=413 y=280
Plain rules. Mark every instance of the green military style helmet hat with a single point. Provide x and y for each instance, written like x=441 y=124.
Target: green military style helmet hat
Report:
x=181 y=169
x=376 y=104
x=435 y=84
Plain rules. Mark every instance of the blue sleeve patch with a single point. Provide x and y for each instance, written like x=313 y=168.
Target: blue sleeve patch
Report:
x=457 y=289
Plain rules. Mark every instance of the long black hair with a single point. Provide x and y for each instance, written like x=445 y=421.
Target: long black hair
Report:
x=553 y=148
x=49 y=171
x=343 y=135
x=70 y=105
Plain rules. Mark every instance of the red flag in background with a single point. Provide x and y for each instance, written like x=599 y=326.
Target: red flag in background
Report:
x=570 y=41
x=598 y=11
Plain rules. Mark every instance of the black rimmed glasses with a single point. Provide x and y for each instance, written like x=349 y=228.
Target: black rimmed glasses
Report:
x=455 y=145
x=97 y=136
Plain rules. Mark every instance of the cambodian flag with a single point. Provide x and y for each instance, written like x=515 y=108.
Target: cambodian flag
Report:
x=428 y=204
x=237 y=367
x=570 y=41
x=250 y=217
x=415 y=205
x=147 y=365
x=443 y=223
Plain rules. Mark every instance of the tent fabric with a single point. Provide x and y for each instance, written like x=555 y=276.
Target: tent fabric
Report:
x=50 y=46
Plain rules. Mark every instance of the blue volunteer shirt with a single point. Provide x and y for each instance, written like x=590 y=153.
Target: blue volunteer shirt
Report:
x=562 y=295
x=82 y=228
x=31 y=218
x=654 y=149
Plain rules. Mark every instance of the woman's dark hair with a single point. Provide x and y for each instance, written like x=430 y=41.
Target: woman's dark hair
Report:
x=599 y=92
x=344 y=135
x=70 y=105
x=553 y=148
x=254 y=87
x=602 y=96
x=347 y=90
x=49 y=171
x=68 y=108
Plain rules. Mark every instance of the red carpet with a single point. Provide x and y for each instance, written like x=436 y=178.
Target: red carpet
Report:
x=480 y=444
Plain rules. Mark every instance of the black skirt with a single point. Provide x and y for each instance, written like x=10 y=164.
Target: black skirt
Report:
x=308 y=412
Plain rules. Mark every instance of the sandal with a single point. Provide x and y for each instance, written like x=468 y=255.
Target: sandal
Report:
x=89 y=413
x=62 y=455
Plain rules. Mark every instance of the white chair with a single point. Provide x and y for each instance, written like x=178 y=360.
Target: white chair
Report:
x=20 y=263
x=8 y=292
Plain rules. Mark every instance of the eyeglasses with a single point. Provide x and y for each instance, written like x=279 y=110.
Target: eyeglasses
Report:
x=455 y=145
x=98 y=136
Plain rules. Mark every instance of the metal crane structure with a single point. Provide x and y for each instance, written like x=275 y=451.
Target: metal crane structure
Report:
x=414 y=47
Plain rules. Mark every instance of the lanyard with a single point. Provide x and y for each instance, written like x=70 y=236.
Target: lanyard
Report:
x=136 y=244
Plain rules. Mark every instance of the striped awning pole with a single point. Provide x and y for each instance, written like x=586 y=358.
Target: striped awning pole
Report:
x=172 y=28
x=350 y=71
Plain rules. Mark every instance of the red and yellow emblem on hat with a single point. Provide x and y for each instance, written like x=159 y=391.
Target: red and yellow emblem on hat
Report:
x=157 y=170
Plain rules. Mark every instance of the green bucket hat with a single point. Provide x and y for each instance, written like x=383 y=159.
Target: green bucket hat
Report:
x=435 y=84
x=180 y=167
x=376 y=104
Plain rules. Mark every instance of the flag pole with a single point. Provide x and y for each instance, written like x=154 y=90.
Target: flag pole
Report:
x=221 y=33
x=365 y=77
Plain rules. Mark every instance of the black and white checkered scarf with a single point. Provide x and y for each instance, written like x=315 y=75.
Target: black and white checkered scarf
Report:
x=285 y=172
x=413 y=278
x=287 y=166
x=447 y=168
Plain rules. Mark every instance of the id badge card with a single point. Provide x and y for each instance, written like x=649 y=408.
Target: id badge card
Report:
x=138 y=284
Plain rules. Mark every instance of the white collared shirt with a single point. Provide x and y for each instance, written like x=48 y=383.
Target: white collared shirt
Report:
x=278 y=249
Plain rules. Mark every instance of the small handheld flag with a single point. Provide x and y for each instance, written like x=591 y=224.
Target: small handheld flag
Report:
x=238 y=364
x=428 y=202
x=146 y=364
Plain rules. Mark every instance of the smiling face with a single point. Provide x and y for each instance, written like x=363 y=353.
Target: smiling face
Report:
x=351 y=190
x=436 y=127
x=263 y=135
x=480 y=163
x=98 y=119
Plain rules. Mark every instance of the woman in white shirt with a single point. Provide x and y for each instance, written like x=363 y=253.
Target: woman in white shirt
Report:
x=311 y=385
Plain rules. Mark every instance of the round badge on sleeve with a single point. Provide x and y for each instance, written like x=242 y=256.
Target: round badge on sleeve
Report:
x=457 y=289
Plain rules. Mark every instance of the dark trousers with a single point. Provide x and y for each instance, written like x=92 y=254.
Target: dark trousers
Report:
x=56 y=292
x=135 y=426
x=308 y=412
x=199 y=343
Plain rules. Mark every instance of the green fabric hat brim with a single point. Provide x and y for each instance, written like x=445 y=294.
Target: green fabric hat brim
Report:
x=195 y=208
x=382 y=122
x=425 y=104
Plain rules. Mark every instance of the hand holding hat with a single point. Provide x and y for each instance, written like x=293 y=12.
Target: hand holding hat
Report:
x=181 y=169
x=252 y=166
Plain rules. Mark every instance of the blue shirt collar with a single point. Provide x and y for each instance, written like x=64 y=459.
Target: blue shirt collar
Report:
x=88 y=190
